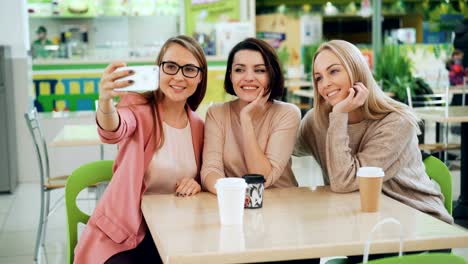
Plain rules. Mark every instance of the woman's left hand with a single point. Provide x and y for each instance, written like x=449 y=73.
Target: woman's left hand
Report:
x=187 y=187
x=356 y=98
x=257 y=105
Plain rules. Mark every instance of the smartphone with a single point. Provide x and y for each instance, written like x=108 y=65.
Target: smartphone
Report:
x=145 y=78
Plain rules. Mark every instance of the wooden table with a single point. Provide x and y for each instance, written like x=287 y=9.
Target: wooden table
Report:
x=294 y=223
x=456 y=89
x=453 y=90
x=78 y=135
x=454 y=114
x=293 y=85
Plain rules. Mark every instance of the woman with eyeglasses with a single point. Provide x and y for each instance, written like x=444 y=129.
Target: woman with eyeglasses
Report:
x=253 y=134
x=160 y=141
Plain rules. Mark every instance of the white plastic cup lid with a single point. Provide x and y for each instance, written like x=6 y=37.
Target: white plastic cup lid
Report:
x=231 y=183
x=370 y=172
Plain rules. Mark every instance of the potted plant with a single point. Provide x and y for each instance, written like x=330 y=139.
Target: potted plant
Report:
x=393 y=69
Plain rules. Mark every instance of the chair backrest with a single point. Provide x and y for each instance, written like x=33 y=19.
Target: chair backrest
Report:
x=86 y=175
x=438 y=171
x=428 y=258
x=40 y=144
x=439 y=99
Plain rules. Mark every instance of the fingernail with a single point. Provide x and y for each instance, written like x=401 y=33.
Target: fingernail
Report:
x=130 y=81
x=131 y=72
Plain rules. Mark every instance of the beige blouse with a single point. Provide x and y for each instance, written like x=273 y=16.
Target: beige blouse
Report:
x=276 y=134
x=390 y=143
x=173 y=161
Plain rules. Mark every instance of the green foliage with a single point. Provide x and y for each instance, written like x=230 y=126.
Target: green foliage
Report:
x=283 y=56
x=398 y=7
x=436 y=13
x=393 y=69
x=308 y=52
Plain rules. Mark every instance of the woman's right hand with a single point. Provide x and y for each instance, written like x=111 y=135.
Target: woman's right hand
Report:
x=109 y=81
x=257 y=105
x=356 y=98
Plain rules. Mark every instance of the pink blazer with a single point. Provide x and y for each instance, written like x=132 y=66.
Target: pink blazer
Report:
x=117 y=224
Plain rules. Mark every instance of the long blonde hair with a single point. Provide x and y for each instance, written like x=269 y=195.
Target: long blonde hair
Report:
x=377 y=105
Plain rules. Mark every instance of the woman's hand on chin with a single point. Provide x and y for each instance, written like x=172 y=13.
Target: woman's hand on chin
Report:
x=356 y=98
x=256 y=106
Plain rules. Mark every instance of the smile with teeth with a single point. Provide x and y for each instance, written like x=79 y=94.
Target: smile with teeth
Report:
x=249 y=87
x=332 y=93
x=177 y=87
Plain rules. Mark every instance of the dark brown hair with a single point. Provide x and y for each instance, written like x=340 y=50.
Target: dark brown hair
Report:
x=272 y=64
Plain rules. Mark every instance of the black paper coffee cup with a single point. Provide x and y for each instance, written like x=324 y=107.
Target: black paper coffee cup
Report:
x=254 y=191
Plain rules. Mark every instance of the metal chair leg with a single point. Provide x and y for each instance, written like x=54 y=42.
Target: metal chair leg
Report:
x=446 y=140
x=40 y=226
x=46 y=218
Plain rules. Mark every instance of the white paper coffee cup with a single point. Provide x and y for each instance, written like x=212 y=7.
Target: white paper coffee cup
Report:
x=231 y=197
x=231 y=238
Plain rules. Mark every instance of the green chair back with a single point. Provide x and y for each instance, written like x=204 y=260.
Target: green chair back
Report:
x=86 y=175
x=439 y=172
x=429 y=258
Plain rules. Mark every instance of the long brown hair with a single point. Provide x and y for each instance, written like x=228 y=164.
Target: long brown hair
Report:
x=377 y=105
x=196 y=98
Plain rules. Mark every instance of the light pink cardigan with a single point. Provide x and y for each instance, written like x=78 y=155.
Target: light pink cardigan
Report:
x=117 y=223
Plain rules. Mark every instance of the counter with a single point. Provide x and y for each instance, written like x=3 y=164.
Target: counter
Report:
x=72 y=84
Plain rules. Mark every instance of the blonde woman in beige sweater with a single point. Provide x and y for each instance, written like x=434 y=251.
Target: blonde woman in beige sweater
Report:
x=253 y=133
x=353 y=124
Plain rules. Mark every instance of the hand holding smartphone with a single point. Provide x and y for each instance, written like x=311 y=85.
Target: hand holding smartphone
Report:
x=145 y=78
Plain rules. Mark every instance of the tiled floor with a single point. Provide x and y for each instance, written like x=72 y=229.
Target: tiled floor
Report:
x=19 y=216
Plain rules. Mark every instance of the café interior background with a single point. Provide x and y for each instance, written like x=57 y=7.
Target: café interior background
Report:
x=61 y=77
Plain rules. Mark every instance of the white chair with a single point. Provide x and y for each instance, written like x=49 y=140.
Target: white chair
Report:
x=427 y=100
x=48 y=183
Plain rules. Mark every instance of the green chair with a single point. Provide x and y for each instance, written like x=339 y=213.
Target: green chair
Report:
x=438 y=171
x=86 y=175
x=429 y=258
x=338 y=260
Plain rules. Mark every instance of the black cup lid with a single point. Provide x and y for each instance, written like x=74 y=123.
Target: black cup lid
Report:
x=254 y=178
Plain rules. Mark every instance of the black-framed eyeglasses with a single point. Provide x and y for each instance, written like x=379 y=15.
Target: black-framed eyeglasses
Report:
x=172 y=68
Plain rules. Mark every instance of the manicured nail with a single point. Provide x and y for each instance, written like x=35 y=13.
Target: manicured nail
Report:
x=131 y=72
x=130 y=81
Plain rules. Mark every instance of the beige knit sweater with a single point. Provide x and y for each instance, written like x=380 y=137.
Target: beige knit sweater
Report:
x=276 y=134
x=390 y=143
